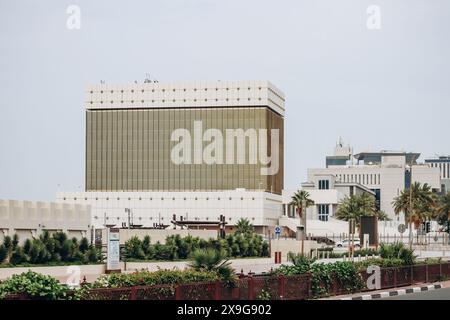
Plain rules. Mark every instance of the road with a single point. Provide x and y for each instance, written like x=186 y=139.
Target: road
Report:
x=439 y=294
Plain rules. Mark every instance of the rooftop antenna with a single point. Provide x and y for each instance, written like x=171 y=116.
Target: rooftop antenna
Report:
x=147 y=78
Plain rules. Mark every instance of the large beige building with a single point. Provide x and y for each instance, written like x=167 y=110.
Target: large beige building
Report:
x=28 y=219
x=197 y=150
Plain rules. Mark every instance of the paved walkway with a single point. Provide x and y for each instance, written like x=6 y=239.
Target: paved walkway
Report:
x=445 y=284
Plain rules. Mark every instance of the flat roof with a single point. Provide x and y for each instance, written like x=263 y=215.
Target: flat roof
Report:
x=187 y=94
x=409 y=155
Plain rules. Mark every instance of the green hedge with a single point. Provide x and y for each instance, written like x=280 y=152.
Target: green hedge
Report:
x=47 y=249
x=323 y=274
x=176 y=247
x=141 y=278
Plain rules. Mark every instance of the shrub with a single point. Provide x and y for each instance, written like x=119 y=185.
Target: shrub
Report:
x=3 y=253
x=15 y=241
x=214 y=260
x=133 y=248
x=49 y=250
x=176 y=247
x=35 y=285
x=397 y=251
x=7 y=242
x=18 y=256
x=385 y=263
x=347 y=275
x=160 y=277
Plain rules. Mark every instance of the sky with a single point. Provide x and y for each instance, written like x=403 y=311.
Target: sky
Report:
x=383 y=88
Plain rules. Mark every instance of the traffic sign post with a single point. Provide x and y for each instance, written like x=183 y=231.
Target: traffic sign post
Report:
x=277 y=231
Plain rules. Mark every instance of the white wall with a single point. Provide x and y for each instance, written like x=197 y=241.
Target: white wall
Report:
x=28 y=218
x=260 y=208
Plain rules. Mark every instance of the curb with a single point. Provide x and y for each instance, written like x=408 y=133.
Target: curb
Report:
x=392 y=293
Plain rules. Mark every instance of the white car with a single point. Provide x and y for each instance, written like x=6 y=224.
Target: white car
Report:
x=348 y=243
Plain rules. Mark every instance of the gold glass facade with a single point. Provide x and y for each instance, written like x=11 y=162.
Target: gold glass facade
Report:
x=130 y=150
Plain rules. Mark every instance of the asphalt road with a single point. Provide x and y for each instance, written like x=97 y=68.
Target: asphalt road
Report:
x=439 y=294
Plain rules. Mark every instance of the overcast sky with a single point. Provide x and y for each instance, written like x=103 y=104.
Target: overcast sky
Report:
x=386 y=88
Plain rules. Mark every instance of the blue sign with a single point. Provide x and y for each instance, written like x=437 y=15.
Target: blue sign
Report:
x=277 y=230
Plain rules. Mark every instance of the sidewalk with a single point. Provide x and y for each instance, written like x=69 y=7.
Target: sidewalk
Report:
x=444 y=284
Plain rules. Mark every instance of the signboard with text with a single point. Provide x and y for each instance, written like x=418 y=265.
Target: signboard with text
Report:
x=113 y=250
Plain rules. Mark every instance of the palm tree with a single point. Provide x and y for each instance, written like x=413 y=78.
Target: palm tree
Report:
x=301 y=201
x=443 y=206
x=416 y=203
x=443 y=210
x=215 y=261
x=382 y=216
x=356 y=206
x=243 y=226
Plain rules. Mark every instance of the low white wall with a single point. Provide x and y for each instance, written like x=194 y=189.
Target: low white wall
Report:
x=286 y=245
x=62 y=273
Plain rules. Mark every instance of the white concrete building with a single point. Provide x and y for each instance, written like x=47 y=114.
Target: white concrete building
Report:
x=443 y=164
x=386 y=173
x=326 y=193
x=28 y=219
x=262 y=209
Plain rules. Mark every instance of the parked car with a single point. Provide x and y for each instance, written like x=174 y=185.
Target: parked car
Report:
x=348 y=242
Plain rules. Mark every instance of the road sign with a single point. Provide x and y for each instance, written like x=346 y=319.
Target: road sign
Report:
x=401 y=228
x=277 y=230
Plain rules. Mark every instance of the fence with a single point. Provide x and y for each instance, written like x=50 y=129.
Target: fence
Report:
x=246 y=288
x=297 y=287
x=428 y=239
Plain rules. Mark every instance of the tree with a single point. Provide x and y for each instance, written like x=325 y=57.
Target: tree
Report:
x=3 y=253
x=27 y=246
x=84 y=245
x=92 y=255
x=7 y=242
x=301 y=201
x=382 y=216
x=15 y=241
x=416 y=203
x=443 y=206
x=355 y=207
x=133 y=248
x=18 y=256
x=243 y=226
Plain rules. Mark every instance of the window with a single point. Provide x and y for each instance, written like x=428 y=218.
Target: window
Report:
x=324 y=184
x=324 y=211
